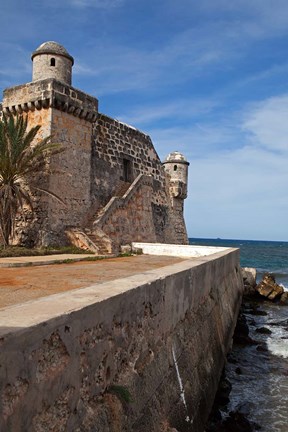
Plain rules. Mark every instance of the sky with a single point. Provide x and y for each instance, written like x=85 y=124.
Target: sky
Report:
x=207 y=78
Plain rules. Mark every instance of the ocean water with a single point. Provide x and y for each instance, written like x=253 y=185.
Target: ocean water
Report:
x=260 y=391
x=265 y=256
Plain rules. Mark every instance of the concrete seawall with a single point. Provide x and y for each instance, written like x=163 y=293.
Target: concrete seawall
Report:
x=163 y=334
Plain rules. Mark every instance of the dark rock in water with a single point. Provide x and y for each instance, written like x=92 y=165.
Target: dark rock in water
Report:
x=241 y=333
x=223 y=392
x=284 y=298
x=237 y=422
x=253 y=309
x=215 y=419
x=282 y=323
x=238 y=371
x=251 y=322
x=262 y=348
x=258 y=312
x=268 y=287
x=263 y=330
x=231 y=359
x=246 y=340
x=242 y=328
x=245 y=408
x=220 y=401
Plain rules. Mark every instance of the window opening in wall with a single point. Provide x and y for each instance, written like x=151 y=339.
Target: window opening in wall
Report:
x=175 y=167
x=127 y=167
x=52 y=61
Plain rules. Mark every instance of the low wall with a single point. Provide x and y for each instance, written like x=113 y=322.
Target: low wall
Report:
x=162 y=334
x=179 y=250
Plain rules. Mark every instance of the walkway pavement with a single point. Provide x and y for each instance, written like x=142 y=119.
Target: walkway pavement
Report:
x=32 y=280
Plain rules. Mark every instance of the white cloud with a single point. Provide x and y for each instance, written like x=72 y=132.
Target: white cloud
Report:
x=242 y=194
x=83 y=4
x=237 y=198
x=238 y=173
x=267 y=124
x=99 y=4
x=193 y=51
x=177 y=109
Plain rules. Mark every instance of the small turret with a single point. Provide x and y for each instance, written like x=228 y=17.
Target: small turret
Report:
x=176 y=166
x=52 y=60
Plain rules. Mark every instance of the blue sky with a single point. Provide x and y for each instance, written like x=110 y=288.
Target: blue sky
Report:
x=209 y=79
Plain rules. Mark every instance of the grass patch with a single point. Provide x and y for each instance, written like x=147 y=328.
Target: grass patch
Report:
x=121 y=392
x=19 y=251
x=132 y=253
x=88 y=258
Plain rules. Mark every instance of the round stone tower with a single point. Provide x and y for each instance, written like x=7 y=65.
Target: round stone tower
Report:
x=176 y=166
x=52 y=60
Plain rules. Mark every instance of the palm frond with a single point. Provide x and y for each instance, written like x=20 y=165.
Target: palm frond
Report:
x=20 y=156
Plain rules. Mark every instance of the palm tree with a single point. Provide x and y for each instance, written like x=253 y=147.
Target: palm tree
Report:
x=19 y=158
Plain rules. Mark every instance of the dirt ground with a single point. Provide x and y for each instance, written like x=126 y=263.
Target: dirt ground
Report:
x=20 y=284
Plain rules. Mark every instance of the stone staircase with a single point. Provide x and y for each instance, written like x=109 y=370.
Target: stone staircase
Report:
x=120 y=192
x=123 y=187
x=93 y=237
x=120 y=201
x=86 y=239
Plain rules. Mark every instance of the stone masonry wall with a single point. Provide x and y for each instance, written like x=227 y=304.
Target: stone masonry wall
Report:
x=66 y=114
x=70 y=178
x=99 y=154
x=61 y=356
x=178 y=222
x=49 y=93
x=34 y=220
x=135 y=220
x=113 y=142
x=67 y=175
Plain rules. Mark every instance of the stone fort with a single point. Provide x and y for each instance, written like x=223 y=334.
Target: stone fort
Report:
x=114 y=187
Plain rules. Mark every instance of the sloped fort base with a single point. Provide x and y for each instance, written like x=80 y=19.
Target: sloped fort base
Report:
x=162 y=334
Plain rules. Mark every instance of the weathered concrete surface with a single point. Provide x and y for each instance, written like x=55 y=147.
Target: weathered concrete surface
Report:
x=18 y=285
x=60 y=354
x=179 y=250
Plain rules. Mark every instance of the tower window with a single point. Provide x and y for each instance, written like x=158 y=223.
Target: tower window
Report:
x=52 y=61
x=127 y=168
x=175 y=167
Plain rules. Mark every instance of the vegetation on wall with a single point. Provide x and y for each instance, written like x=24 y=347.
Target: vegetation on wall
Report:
x=19 y=159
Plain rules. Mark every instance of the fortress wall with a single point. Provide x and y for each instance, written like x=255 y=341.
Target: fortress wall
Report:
x=35 y=219
x=66 y=174
x=113 y=142
x=43 y=118
x=150 y=333
x=178 y=222
x=132 y=221
x=71 y=171
x=66 y=114
x=100 y=153
x=139 y=218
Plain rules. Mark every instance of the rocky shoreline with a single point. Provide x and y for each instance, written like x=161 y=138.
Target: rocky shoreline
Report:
x=266 y=289
x=255 y=296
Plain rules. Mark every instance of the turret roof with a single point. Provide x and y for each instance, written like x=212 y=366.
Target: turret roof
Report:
x=51 y=47
x=176 y=157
